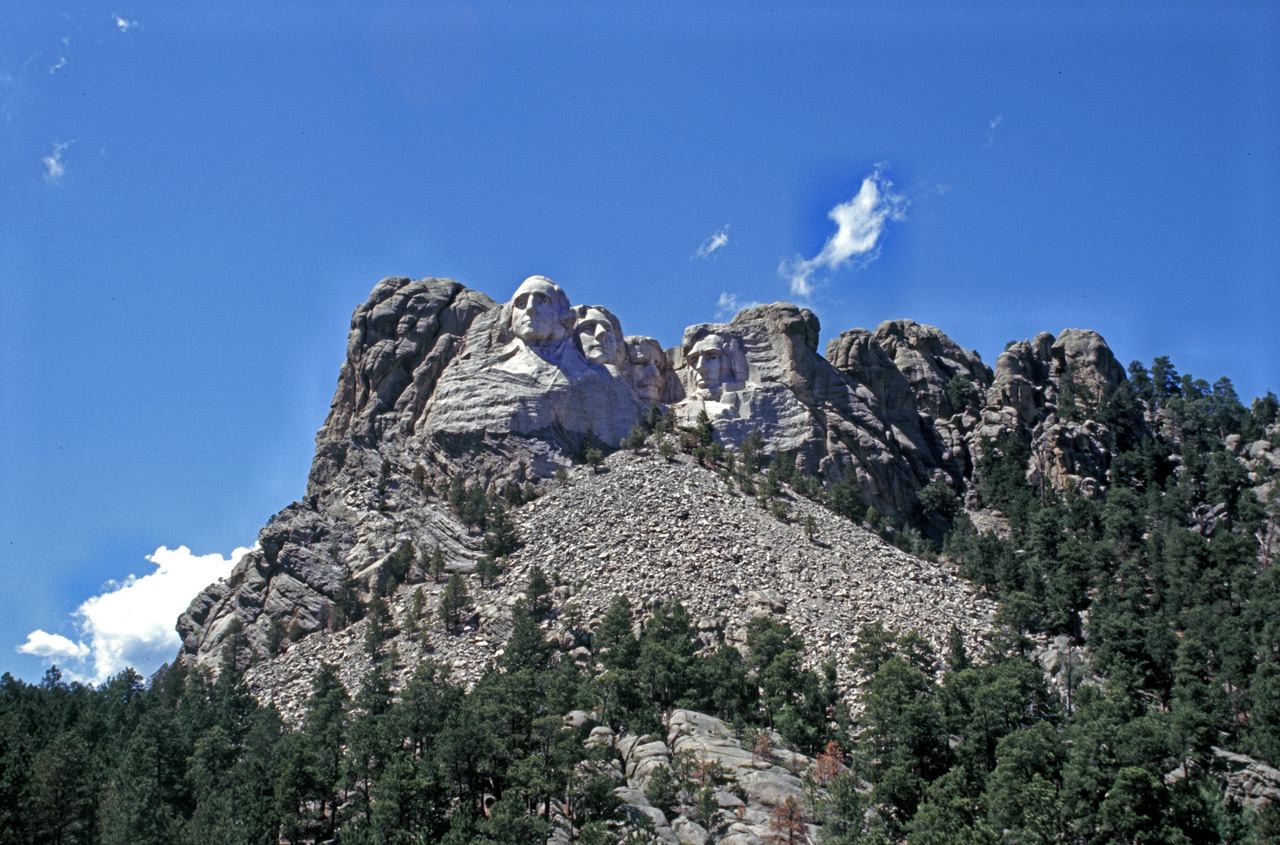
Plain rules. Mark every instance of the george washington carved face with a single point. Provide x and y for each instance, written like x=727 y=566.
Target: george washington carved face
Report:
x=540 y=312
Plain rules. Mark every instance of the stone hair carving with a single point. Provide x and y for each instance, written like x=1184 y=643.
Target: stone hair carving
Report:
x=711 y=361
x=599 y=335
x=648 y=367
x=539 y=312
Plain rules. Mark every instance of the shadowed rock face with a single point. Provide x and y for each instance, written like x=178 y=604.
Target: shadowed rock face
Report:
x=649 y=370
x=441 y=381
x=1087 y=357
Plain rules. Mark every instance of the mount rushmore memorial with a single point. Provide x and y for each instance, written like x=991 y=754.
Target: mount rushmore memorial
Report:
x=442 y=383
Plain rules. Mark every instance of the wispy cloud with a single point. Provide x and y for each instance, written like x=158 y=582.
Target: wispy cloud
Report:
x=131 y=622
x=125 y=25
x=62 y=62
x=54 y=168
x=729 y=305
x=991 y=131
x=859 y=224
x=719 y=240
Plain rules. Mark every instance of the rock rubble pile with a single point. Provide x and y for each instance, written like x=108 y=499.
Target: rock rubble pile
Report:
x=656 y=530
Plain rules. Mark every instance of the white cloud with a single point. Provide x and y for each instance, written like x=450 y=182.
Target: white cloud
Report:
x=859 y=224
x=991 y=130
x=729 y=305
x=62 y=62
x=131 y=622
x=719 y=240
x=43 y=644
x=54 y=168
x=125 y=25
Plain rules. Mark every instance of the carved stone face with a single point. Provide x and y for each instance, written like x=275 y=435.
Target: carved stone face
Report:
x=647 y=363
x=709 y=362
x=539 y=311
x=596 y=336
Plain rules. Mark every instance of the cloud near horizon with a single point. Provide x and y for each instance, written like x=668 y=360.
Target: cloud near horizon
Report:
x=131 y=623
x=719 y=240
x=859 y=224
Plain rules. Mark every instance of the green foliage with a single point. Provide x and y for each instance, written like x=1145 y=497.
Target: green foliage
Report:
x=415 y=618
x=592 y=457
x=399 y=562
x=501 y=538
x=537 y=593
x=435 y=565
x=347 y=606
x=276 y=631
x=653 y=417
x=702 y=428
x=962 y=394
x=453 y=600
x=475 y=508
x=487 y=571
x=635 y=440
x=379 y=626
x=613 y=641
x=938 y=499
x=1002 y=468
x=845 y=497
x=751 y=451
x=663 y=791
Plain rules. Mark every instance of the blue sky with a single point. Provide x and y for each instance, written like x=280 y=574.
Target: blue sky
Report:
x=194 y=197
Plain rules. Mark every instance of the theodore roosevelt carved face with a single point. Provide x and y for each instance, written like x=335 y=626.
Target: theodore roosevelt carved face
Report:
x=647 y=362
x=540 y=312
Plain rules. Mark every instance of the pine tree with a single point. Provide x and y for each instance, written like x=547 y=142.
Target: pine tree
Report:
x=706 y=434
x=452 y=601
x=276 y=631
x=486 y=571
x=324 y=733
x=398 y=563
x=457 y=494
x=538 y=593
x=653 y=418
x=436 y=565
x=475 y=509
x=379 y=627
x=501 y=539
x=614 y=639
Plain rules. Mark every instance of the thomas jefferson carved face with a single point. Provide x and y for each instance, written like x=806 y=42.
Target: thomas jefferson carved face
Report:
x=539 y=311
x=598 y=338
x=647 y=363
x=710 y=362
